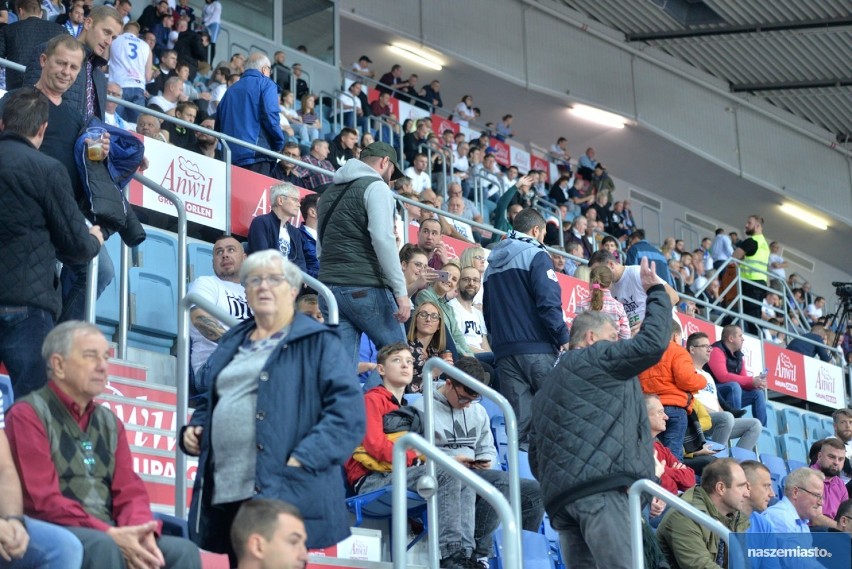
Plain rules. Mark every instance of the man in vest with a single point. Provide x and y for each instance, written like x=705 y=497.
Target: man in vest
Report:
x=754 y=252
x=75 y=463
x=358 y=254
x=733 y=383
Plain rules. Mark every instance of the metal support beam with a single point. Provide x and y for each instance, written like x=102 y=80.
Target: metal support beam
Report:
x=735 y=30
x=785 y=85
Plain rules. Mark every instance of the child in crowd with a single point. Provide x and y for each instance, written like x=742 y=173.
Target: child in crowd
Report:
x=309 y=304
x=601 y=299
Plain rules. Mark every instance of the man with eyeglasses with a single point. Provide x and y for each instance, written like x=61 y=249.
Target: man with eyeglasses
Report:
x=725 y=422
x=274 y=230
x=75 y=463
x=802 y=502
x=470 y=320
x=463 y=431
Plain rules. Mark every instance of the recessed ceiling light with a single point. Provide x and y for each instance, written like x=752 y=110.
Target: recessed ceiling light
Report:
x=416 y=55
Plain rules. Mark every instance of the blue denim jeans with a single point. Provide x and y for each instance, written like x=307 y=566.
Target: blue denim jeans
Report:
x=456 y=503
x=487 y=520
x=735 y=397
x=367 y=310
x=592 y=531
x=134 y=95
x=74 y=285
x=22 y=332
x=51 y=547
x=672 y=437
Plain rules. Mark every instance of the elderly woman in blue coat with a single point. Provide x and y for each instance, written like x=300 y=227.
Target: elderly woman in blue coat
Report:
x=280 y=417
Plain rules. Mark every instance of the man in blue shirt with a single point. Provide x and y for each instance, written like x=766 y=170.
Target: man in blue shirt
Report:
x=761 y=491
x=639 y=248
x=802 y=500
x=817 y=334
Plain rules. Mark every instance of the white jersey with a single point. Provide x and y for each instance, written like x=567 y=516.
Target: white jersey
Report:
x=128 y=61
x=471 y=324
x=230 y=297
x=630 y=292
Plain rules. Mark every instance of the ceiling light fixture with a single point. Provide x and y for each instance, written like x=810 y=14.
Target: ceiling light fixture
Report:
x=604 y=118
x=802 y=215
x=413 y=54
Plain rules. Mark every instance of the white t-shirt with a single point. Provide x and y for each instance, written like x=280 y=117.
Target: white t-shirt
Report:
x=471 y=324
x=419 y=182
x=464 y=229
x=630 y=292
x=814 y=312
x=226 y=295
x=284 y=242
x=128 y=61
x=162 y=102
x=708 y=396
x=781 y=273
x=348 y=101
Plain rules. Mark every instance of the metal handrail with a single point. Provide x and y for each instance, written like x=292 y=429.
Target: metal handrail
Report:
x=512 y=556
x=390 y=122
x=182 y=364
x=634 y=497
x=353 y=110
x=333 y=114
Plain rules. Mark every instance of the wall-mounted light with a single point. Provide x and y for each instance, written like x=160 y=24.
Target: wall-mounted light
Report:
x=423 y=58
x=805 y=216
x=604 y=118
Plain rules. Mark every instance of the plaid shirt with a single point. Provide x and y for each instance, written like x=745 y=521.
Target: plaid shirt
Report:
x=314 y=180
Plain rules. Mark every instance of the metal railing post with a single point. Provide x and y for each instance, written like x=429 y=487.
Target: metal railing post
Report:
x=92 y=288
x=512 y=556
x=182 y=364
x=123 y=300
x=226 y=155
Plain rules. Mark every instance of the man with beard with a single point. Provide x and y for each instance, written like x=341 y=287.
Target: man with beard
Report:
x=754 y=252
x=225 y=291
x=843 y=430
x=470 y=319
x=830 y=462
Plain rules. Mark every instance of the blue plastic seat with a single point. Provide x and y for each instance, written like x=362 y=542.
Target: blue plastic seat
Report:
x=378 y=504
x=491 y=408
x=793 y=423
x=153 y=311
x=793 y=464
x=6 y=391
x=524 y=470
x=777 y=471
x=792 y=448
x=200 y=258
x=536 y=550
x=766 y=443
x=813 y=425
x=828 y=424
x=173 y=525
x=772 y=421
x=741 y=454
x=158 y=254
x=501 y=439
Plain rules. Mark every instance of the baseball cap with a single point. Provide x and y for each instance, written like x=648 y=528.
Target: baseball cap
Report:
x=381 y=150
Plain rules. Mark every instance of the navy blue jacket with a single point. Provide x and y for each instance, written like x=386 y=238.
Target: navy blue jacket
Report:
x=522 y=301
x=249 y=111
x=808 y=349
x=263 y=234
x=309 y=251
x=310 y=407
x=642 y=249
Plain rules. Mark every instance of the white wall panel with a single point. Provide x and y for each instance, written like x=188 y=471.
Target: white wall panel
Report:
x=799 y=167
x=686 y=112
x=488 y=32
x=563 y=58
x=394 y=14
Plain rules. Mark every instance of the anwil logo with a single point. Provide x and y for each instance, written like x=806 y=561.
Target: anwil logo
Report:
x=825 y=384
x=785 y=373
x=690 y=328
x=187 y=180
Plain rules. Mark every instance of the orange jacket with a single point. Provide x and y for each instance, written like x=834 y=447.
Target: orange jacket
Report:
x=673 y=377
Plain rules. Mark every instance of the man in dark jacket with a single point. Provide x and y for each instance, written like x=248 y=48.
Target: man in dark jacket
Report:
x=340 y=149
x=39 y=222
x=274 y=230
x=522 y=306
x=19 y=39
x=189 y=47
x=590 y=436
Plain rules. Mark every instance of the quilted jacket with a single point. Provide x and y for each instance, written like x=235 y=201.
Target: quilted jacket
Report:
x=39 y=221
x=18 y=42
x=590 y=430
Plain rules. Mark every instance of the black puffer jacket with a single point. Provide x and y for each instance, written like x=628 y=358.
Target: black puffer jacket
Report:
x=590 y=428
x=39 y=221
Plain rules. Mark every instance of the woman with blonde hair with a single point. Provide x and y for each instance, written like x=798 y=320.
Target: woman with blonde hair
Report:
x=601 y=300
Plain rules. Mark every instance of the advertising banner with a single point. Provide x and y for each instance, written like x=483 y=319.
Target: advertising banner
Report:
x=824 y=383
x=574 y=292
x=541 y=164
x=501 y=152
x=440 y=124
x=786 y=371
x=520 y=158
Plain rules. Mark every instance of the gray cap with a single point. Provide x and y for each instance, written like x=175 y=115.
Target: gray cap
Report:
x=382 y=150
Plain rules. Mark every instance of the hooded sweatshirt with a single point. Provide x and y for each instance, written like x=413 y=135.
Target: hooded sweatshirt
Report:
x=461 y=432
x=379 y=204
x=522 y=300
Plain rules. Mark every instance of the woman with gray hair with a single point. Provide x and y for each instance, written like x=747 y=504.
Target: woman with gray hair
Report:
x=280 y=417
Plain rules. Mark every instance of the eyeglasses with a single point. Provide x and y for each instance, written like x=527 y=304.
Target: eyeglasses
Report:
x=88 y=455
x=479 y=257
x=464 y=400
x=418 y=265
x=470 y=279
x=814 y=494
x=272 y=280
x=427 y=316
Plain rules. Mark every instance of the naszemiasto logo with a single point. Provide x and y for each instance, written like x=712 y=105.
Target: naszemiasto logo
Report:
x=785 y=374
x=825 y=386
x=187 y=180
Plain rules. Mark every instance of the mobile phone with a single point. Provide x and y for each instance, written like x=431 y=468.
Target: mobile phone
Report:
x=715 y=447
x=443 y=276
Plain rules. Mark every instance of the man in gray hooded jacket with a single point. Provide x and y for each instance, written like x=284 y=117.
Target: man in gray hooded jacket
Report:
x=358 y=253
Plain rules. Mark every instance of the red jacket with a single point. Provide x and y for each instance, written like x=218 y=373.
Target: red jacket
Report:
x=674 y=478
x=378 y=402
x=673 y=377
